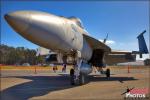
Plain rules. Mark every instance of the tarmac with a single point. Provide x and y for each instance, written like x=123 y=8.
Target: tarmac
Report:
x=45 y=84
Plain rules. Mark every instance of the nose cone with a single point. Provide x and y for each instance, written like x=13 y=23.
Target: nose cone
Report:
x=19 y=21
x=38 y=27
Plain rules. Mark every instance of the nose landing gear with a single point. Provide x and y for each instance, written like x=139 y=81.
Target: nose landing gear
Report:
x=74 y=80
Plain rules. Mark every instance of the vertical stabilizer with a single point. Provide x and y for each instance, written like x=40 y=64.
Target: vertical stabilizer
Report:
x=142 y=44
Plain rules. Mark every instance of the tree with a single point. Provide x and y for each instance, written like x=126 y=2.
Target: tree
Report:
x=19 y=55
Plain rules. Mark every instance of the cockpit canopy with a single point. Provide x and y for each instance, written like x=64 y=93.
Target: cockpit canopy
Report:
x=77 y=21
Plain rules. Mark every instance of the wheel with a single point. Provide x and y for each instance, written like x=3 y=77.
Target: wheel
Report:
x=107 y=72
x=81 y=79
x=72 y=82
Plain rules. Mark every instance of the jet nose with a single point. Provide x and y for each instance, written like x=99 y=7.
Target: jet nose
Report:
x=19 y=21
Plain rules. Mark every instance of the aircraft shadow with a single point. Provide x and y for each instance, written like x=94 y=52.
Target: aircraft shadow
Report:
x=42 y=85
x=113 y=78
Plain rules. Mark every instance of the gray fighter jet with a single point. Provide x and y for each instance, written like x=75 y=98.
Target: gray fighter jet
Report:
x=71 y=41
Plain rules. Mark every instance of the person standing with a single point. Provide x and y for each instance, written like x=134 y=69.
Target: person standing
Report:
x=64 y=68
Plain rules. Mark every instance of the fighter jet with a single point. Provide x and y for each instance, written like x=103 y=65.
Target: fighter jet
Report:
x=70 y=40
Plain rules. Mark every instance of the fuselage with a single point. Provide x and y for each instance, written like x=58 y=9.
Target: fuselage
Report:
x=52 y=32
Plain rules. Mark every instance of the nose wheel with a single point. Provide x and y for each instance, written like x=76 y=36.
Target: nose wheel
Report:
x=81 y=79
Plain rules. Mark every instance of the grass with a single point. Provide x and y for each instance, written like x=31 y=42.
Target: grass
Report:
x=11 y=67
x=24 y=67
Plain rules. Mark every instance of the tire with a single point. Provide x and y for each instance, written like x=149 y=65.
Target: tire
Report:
x=107 y=73
x=72 y=82
x=82 y=79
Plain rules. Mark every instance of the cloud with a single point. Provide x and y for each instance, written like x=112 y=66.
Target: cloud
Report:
x=108 y=42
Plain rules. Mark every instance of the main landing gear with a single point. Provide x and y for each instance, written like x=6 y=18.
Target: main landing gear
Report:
x=107 y=72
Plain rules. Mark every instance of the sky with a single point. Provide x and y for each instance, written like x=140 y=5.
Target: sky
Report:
x=122 y=20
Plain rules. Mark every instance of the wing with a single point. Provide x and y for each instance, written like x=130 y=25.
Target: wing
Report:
x=115 y=57
x=127 y=56
x=111 y=57
x=96 y=44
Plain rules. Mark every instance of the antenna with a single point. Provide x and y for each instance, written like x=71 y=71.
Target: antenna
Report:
x=105 y=38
